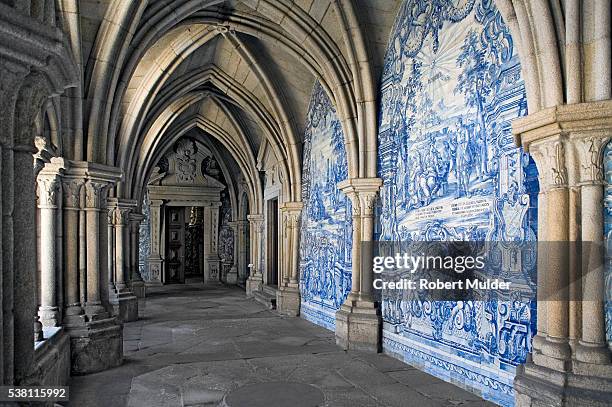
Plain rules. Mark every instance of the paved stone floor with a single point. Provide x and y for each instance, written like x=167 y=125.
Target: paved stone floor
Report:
x=193 y=344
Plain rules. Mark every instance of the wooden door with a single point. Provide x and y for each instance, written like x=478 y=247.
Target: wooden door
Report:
x=175 y=247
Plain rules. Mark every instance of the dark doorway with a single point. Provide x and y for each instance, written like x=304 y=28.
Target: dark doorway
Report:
x=175 y=247
x=272 y=239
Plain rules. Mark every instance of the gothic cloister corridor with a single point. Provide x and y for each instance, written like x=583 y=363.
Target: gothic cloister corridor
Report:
x=193 y=343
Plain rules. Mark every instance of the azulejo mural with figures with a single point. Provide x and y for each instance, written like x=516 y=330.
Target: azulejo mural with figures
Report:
x=325 y=241
x=451 y=86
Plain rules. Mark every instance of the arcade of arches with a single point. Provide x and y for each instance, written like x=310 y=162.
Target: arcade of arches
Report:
x=259 y=143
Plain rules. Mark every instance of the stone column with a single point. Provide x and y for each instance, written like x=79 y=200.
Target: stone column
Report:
x=83 y=251
x=71 y=188
x=592 y=347
x=551 y=153
x=95 y=198
x=241 y=249
x=285 y=243
x=96 y=337
x=288 y=296
x=295 y=223
x=110 y=254
x=212 y=261
x=155 y=262
x=566 y=143
x=49 y=193
x=121 y=221
x=255 y=280
x=232 y=275
x=123 y=301
x=357 y=320
x=136 y=283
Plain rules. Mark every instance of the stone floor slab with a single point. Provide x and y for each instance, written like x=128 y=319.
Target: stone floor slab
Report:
x=195 y=345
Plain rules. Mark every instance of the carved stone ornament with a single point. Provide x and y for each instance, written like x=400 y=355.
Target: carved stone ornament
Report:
x=122 y=216
x=368 y=202
x=590 y=157
x=48 y=191
x=72 y=193
x=550 y=159
x=185 y=161
x=95 y=194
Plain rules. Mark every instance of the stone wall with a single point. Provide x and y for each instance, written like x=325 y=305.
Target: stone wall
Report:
x=52 y=359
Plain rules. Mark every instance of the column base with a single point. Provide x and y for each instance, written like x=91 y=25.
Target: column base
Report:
x=592 y=353
x=586 y=386
x=288 y=301
x=139 y=288
x=48 y=316
x=95 y=311
x=253 y=284
x=232 y=276
x=95 y=347
x=358 y=326
x=125 y=306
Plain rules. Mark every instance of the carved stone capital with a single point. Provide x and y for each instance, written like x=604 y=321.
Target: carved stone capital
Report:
x=110 y=213
x=49 y=191
x=121 y=216
x=95 y=194
x=567 y=142
x=363 y=193
x=589 y=157
x=550 y=158
x=71 y=191
x=367 y=201
x=257 y=222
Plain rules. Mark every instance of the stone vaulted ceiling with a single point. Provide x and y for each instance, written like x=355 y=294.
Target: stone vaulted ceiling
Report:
x=240 y=71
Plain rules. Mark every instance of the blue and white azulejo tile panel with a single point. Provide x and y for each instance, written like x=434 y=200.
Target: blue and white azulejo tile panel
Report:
x=326 y=229
x=608 y=238
x=451 y=86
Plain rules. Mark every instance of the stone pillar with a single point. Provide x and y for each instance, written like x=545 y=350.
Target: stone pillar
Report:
x=71 y=188
x=155 y=262
x=358 y=320
x=96 y=341
x=136 y=283
x=83 y=251
x=232 y=275
x=288 y=296
x=49 y=198
x=255 y=280
x=123 y=301
x=592 y=347
x=21 y=311
x=570 y=362
x=110 y=263
x=212 y=261
x=94 y=201
x=241 y=249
